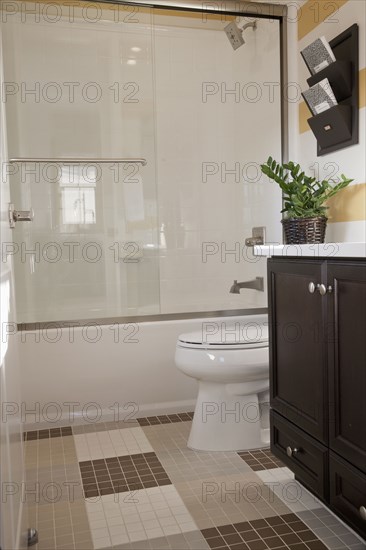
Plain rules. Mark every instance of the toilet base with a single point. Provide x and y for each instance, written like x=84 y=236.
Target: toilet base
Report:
x=226 y=421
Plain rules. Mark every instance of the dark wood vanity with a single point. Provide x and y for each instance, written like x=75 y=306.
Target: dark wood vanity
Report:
x=317 y=312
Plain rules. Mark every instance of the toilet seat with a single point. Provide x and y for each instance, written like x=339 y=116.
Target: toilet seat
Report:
x=237 y=337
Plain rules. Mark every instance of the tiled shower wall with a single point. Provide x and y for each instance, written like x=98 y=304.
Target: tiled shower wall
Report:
x=174 y=92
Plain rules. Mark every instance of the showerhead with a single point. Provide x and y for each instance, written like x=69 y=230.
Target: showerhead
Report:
x=235 y=33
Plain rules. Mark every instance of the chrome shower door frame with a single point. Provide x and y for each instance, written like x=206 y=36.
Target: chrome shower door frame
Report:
x=226 y=7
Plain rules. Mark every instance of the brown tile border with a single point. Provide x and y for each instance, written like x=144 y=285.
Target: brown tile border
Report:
x=47 y=434
x=165 y=419
x=261 y=460
x=121 y=474
x=78 y=429
x=278 y=532
x=105 y=426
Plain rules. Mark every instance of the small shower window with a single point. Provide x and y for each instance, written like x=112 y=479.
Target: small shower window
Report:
x=78 y=195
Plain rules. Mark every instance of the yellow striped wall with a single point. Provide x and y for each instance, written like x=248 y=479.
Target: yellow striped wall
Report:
x=350 y=204
x=314 y=12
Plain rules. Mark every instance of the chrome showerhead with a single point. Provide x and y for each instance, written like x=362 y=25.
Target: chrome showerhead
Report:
x=235 y=33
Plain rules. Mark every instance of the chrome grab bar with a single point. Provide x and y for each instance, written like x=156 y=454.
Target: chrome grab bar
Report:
x=141 y=161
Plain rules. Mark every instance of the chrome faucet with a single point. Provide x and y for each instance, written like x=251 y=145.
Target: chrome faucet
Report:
x=256 y=284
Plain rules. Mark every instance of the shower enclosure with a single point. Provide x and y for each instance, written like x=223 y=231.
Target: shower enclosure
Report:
x=136 y=133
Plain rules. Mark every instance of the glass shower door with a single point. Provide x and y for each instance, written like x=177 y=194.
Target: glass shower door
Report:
x=83 y=89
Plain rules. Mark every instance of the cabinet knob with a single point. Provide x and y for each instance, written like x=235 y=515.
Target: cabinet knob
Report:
x=362 y=511
x=322 y=289
x=312 y=287
x=291 y=451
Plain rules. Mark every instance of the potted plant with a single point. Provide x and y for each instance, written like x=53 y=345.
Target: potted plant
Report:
x=304 y=212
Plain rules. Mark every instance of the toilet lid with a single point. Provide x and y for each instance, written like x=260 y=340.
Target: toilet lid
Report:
x=225 y=336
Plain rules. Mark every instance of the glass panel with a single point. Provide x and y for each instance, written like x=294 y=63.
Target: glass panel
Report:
x=85 y=90
x=218 y=115
x=166 y=85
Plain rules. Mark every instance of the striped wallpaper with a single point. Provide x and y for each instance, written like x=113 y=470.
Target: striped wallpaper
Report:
x=314 y=12
x=350 y=204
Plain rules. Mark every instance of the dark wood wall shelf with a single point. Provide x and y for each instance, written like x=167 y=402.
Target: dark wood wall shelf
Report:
x=337 y=127
x=339 y=75
x=332 y=127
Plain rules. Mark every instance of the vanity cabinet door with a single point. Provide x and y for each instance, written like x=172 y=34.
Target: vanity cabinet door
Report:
x=297 y=344
x=348 y=493
x=347 y=360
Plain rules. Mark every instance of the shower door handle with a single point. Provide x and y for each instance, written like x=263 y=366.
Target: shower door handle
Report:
x=19 y=215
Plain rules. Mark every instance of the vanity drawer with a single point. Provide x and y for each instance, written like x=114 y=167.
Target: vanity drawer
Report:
x=307 y=458
x=348 y=493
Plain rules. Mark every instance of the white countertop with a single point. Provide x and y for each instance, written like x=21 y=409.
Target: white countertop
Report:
x=326 y=250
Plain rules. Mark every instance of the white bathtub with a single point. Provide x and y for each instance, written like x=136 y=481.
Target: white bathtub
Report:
x=107 y=372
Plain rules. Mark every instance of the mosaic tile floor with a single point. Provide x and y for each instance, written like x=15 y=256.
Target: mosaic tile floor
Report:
x=261 y=460
x=135 y=486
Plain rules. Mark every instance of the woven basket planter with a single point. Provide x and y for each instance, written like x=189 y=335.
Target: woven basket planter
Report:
x=304 y=230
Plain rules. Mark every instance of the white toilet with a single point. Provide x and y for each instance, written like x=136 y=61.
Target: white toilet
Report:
x=231 y=365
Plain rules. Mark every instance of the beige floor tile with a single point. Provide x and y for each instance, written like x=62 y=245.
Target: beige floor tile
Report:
x=46 y=545
x=84 y=545
x=229 y=499
x=82 y=535
x=46 y=533
x=65 y=538
x=61 y=530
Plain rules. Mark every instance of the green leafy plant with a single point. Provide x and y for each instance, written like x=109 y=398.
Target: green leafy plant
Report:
x=303 y=196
